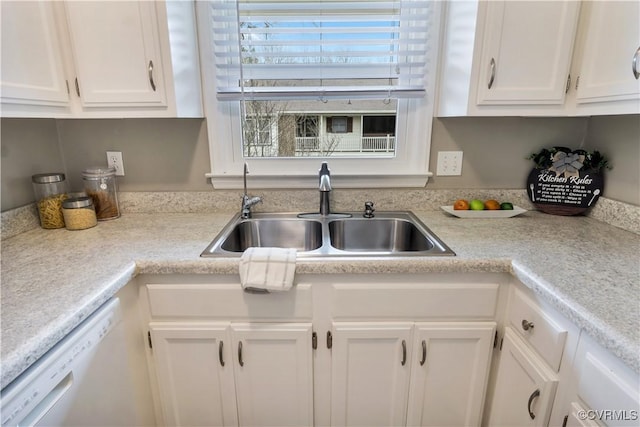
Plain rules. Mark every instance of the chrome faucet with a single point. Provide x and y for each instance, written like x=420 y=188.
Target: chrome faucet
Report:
x=324 y=178
x=247 y=201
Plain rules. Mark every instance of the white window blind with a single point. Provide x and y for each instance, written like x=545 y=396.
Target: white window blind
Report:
x=314 y=49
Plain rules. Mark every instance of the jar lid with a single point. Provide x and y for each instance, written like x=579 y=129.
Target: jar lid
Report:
x=98 y=171
x=47 y=178
x=77 y=202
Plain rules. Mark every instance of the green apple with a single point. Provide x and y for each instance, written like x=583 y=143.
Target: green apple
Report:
x=506 y=206
x=476 y=205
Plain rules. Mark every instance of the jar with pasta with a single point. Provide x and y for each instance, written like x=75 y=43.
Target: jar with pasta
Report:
x=100 y=185
x=79 y=213
x=50 y=190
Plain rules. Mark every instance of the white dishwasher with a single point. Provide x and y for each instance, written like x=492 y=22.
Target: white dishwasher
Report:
x=84 y=380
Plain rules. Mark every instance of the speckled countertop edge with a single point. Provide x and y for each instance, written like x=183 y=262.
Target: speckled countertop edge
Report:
x=39 y=307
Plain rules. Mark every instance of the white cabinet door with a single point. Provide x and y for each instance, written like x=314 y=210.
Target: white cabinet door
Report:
x=116 y=53
x=525 y=386
x=274 y=373
x=195 y=373
x=370 y=373
x=32 y=66
x=610 y=42
x=526 y=52
x=449 y=373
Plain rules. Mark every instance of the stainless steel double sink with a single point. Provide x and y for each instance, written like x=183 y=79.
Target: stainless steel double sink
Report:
x=333 y=235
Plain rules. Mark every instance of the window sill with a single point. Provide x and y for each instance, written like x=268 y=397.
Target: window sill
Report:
x=256 y=181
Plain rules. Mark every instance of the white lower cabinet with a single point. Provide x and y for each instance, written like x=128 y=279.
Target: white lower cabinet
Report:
x=370 y=373
x=405 y=373
x=604 y=391
x=450 y=368
x=525 y=386
x=229 y=374
x=274 y=374
x=195 y=373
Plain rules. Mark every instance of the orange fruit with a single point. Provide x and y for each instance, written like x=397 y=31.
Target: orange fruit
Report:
x=492 y=205
x=461 y=205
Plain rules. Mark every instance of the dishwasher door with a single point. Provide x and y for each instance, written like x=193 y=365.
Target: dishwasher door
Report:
x=85 y=380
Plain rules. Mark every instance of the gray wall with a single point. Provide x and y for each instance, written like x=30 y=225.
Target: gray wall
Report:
x=172 y=154
x=495 y=149
x=28 y=147
x=619 y=138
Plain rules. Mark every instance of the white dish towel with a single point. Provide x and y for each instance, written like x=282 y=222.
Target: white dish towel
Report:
x=267 y=269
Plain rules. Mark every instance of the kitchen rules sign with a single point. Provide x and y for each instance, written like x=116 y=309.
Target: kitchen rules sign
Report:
x=565 y=186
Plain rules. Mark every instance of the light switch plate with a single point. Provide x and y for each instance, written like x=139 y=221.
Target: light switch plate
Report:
x=449 y=163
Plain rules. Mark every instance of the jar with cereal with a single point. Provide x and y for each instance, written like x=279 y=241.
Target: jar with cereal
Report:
x=50 y=190
x=100 y=185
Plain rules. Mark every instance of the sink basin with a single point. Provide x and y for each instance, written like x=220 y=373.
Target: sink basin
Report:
x=304 y=235
x=378 y=235
x=346 y=234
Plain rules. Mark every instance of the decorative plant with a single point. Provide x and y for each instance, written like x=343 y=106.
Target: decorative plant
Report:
x=567 y=162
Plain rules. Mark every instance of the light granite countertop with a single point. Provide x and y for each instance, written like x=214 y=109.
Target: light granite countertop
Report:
x=54 y=279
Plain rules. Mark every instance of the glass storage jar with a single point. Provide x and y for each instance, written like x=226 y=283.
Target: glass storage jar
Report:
x=50 y=190
x=79 y=213
x=100 y=185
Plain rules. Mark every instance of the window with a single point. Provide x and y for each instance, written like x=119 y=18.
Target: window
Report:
x=349 y=82
x=339 y=124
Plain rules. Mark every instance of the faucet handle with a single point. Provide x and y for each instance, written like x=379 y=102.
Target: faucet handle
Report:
x=368 y=210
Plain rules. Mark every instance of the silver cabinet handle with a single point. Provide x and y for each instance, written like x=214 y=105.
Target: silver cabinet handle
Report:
x=77 y=87
x=153 y=84
x=240 y=354
x=404 y=352
x=424 y=353
x=526 y=325
x=492 y=64
x=220 y=357
x=634 y=64
x=533 y=396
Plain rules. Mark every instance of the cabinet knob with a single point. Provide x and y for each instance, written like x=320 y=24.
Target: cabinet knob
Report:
x=526 y=325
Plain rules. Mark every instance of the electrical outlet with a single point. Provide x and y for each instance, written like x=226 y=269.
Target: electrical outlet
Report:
x=114 y=159
x=449 y=163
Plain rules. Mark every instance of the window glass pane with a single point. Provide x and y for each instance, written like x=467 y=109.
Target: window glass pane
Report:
x=338 y=128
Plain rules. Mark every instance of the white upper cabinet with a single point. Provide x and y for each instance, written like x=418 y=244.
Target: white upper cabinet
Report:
x=608 y=58
x=540 y=58
x=506 y=57
x=117 y=54
x=33 y=75
x=526 y=52
x=119 y=58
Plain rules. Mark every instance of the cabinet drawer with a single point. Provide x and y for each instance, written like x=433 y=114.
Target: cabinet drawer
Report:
x=537 y=328
x=415 y=301
x=227 y=301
